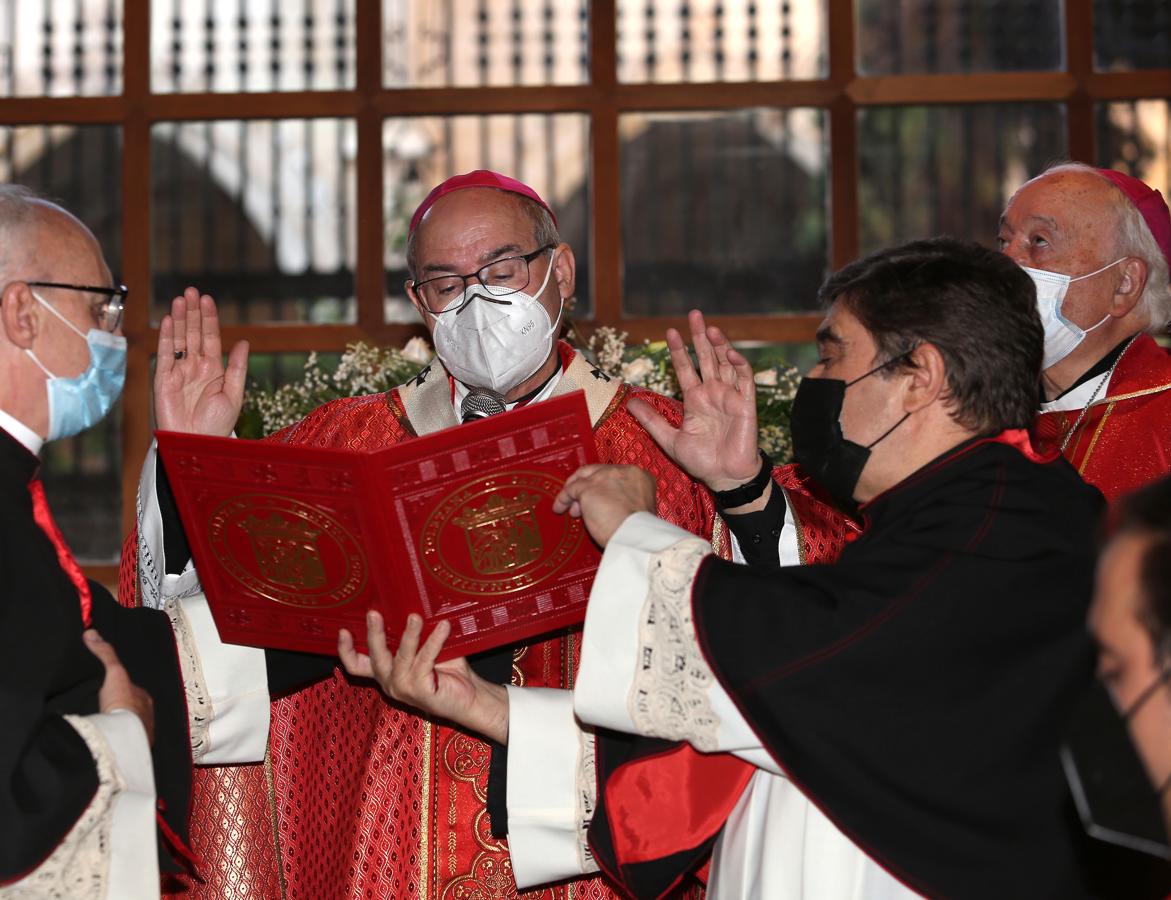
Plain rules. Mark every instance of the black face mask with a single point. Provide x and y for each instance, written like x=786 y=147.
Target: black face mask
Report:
x=1109 y=783
x=819 y=446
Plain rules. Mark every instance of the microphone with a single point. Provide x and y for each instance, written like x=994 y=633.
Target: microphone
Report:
x=479 y=404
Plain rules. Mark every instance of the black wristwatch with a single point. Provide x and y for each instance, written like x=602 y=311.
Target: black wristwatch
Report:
x=750 y=490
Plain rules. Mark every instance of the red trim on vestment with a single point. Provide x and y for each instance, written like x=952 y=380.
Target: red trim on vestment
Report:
x=179 y=851
x=1017 y=438
x=886 y=865
x=44 y=518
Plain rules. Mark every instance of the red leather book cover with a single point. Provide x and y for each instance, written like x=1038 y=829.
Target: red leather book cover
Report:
x=293 y=543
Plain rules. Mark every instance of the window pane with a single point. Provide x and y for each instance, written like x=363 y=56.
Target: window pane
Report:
x=463 y=43
x=928 y=170
x=958 y=36
x=80 y=168
x=723 y=211
x=712 y=40
x=547 y=152
x=60 y=49
x=258 y=214
x=1134 y=136
x=198 y=47
x=1132 y=34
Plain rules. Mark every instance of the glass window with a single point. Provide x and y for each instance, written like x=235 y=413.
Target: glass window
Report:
x=713 y=40
x=928 y=170
x=60 y=49
x=1132 y=34
x=1134 y=136
x=258 y=214
x=723 y=211
x=548 y=152
x=921 y=36
x=236 y=47
x=465 y=43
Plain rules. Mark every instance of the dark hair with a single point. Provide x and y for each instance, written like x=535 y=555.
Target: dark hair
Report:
x=1147 y=513
x=974 y=305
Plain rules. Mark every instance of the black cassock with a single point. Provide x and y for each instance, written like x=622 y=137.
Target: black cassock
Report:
x=47 y=775
x=917 y=689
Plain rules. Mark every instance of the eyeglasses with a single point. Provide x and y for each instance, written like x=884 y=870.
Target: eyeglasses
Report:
x=502 y=277
x=109 y=314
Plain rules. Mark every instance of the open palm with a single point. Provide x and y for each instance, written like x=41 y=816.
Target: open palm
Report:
x=445 y=690
x=194 y=392
x=716 y=442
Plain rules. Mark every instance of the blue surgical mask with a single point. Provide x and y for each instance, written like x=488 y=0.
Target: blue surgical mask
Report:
x=76 y=404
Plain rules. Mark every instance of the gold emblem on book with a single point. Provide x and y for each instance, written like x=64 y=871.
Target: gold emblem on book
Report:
x=286 y=550
x=502 y=533
x=282 y=549
x=498 y=534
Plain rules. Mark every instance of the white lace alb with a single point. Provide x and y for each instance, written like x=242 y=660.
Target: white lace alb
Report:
x=669 y=696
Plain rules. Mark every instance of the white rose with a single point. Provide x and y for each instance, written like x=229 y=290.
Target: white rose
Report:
x=768 y=377
x=637 y=370
x=417 y=351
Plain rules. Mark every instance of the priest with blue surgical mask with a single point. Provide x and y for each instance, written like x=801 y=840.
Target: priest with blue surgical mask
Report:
x=103 y=708
x=1097 y=244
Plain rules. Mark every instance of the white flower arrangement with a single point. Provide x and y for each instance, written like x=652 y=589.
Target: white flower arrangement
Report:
x=364 y=369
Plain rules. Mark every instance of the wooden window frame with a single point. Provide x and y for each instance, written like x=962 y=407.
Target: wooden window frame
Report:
x=604 y=99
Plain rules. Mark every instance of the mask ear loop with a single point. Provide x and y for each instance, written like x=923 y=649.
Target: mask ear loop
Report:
x=884 y=435
x=1148 y=691
x=890 y=362
x=49 y=306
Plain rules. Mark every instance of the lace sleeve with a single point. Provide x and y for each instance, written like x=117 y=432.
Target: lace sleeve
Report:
x=669 y=697
x=78 y=869
x=199 y=709
x=587 y=798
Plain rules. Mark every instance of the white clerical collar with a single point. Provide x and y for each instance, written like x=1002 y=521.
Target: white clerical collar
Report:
x=28 y=438
x=462 y=390
x=1080 y=396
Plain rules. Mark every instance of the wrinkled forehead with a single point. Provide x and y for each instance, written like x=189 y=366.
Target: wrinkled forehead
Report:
x=1075 y=202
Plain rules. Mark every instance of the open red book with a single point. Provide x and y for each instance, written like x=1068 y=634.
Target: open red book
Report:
x=292 y=543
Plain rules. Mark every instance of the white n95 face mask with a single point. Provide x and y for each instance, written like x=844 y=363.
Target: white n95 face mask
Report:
x=1062 y=336
x=498 y=339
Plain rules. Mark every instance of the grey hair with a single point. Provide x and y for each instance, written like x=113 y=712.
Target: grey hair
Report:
x=1133 y=238
x=20 y=208
x=544 y=229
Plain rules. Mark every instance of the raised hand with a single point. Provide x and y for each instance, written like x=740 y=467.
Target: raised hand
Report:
x=118 y=691
x=447 y=690
x=193 y=391
x=603 y=496
x=716 y=443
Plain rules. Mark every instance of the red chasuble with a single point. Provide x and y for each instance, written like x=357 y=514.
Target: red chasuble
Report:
x=358 y=797
x=1124 y=440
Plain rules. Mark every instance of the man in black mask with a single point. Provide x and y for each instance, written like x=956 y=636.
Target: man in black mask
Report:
x=915 y=690
x=1118 y=756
